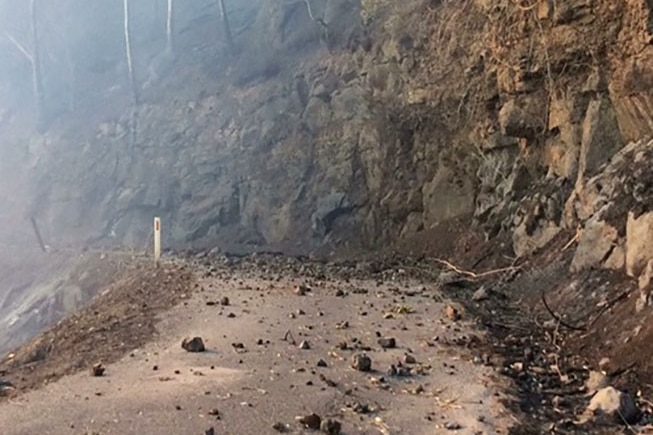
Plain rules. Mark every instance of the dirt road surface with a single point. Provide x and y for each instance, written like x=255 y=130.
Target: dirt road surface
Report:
x=280 y=348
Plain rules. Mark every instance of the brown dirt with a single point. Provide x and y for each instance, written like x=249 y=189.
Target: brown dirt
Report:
x=119 y=320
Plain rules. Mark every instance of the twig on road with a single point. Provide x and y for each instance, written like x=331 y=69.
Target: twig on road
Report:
x=475 y=275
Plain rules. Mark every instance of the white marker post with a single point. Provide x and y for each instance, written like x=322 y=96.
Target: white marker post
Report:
x=157 y=239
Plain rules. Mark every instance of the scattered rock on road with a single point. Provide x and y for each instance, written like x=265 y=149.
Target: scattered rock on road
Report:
x=387 y=342
x=311 y=421
x=302 y=289
x=98 y=370
x=409 y=359
x=224 y=301
x=5 y=387
x=196 y=344
x=305 y=345
x=361 y=362
x=280 y=427
x=452 y=426
x=331 y=427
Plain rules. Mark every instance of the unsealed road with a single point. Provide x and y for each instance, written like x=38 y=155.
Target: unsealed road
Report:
x=254 y=373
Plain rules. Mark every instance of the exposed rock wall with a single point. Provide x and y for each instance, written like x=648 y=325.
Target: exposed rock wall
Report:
x=395 y=118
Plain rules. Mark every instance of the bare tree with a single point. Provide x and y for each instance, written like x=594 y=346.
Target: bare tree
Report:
x=37 y=79
x=318 y=20
x=170 y=43
x=35 y=61
x=128 y=53
x=227 y=26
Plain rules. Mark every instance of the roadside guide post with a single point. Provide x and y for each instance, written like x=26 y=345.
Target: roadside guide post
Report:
x=157 y=239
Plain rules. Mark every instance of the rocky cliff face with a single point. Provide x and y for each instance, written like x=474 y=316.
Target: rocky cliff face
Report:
x=385 y=121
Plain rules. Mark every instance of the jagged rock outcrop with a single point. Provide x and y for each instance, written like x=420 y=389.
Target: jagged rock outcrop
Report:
x=382 y=121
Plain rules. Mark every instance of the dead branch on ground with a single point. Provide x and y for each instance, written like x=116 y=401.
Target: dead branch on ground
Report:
x=475 y=275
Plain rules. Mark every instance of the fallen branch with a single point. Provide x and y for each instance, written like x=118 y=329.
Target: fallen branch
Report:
x=475 y=275
x=573 y=239
x=558 y=318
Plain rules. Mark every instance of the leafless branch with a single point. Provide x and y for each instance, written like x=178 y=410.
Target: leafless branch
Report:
x=475 y=275
x=19 y=46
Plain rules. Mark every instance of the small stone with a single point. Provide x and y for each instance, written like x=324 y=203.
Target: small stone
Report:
x=280 y=427
x=304 y=345
x=98 y=370
x=209 y=431
x=215 y=412
x=550 y=325
x=196 y=344
x=340 y=293
x=418 y=390
x=361 y=362
x=328 y=381
x=301 y=290
x=481 y=294
x=409 y=359
x=231 y=315
x=331 y=427
x=224 y=301
x=399 y=370
x=311 y=421
x=321 y=363
x=361 y=408
x=595 y=381
x=604 y=364
x=452 y=426
x=615 y=404
x=387 y=342
x=452 y=313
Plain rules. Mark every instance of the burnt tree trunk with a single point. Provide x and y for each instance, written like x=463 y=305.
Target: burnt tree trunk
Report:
x=37 y=79
x=129 y=54
x=227 y=26
x=170 y=27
